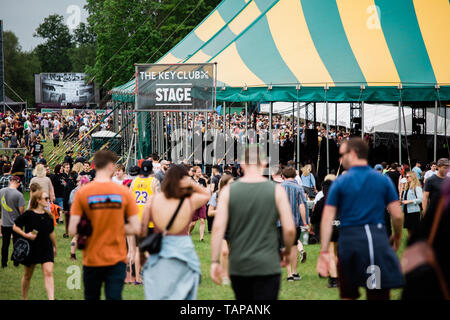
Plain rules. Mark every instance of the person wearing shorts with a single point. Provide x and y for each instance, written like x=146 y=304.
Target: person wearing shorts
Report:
x=297 y=201
x=365 y=256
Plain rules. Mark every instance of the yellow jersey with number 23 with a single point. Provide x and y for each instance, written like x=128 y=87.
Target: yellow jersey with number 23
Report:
x=142 y=190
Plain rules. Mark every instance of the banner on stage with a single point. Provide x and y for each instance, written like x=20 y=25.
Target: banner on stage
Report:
x=175 y=87
x=67 y=113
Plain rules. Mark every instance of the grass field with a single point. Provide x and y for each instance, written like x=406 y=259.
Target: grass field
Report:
x=311 y=287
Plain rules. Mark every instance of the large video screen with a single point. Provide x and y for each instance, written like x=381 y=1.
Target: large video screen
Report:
x=66 y=88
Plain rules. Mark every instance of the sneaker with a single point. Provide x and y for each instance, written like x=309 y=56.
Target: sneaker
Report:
x=290 y=279
x=225 y=281
x=332 y=282
x=296 y=277
x=65 y=235
x=302 y=256
x=73 y=257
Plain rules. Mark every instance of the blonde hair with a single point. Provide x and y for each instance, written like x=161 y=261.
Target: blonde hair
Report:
x=78 y=167
x=414 y=181
x=306 y=170
x=40 y=171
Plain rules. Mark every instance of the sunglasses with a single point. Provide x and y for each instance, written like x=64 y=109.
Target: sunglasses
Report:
x=46 y=199
x=408 y=177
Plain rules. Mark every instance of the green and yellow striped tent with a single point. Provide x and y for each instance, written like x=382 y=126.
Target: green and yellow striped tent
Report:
x=290 y=50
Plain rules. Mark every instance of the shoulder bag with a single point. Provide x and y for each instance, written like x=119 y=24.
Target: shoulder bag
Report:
x=21 y=250
x=152 y=243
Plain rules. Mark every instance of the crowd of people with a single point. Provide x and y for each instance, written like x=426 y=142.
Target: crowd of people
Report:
x=134 y=225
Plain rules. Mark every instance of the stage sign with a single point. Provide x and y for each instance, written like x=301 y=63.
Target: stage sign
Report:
x=175 y=87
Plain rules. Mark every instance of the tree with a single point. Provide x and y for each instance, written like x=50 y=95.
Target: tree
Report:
x=54 y=52
x=82 y=55
x=20 y=68
x=137 y=31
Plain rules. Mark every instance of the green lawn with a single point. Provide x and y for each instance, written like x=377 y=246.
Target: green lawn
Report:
x=311 y=287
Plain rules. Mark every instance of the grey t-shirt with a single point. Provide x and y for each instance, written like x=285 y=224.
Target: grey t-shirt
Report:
x=11 y=201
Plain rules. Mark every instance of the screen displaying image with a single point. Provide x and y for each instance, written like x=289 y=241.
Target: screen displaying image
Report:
x=66 y=88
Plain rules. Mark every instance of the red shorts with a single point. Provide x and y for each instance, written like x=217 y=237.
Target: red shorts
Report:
x=199 y=213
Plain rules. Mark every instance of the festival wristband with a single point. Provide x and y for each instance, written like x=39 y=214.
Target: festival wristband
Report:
x=214 y=261
x=323 y=252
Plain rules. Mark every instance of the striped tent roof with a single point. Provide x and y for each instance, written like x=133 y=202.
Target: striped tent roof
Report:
x=341 y=44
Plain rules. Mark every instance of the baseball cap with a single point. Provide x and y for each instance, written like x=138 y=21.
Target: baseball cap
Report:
x=442 y=162
x=146 y=168
x=134 y=171
x=378 y=167
x=16 y=178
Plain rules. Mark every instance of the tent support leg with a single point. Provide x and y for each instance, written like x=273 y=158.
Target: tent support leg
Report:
x=399 y=133
x=435 y=130
x=270 y=139
x=327 y=136
x=298 y=137
x=362 y=120
x=225 y=132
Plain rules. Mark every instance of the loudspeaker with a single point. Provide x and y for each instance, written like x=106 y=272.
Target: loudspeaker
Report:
x=311 y=145
x=418 y=148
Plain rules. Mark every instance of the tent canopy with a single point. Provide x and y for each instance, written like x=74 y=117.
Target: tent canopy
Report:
x=298 y=47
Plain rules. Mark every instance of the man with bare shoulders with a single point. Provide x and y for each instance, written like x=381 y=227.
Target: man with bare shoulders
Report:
x=251 y=207
x=173 y=273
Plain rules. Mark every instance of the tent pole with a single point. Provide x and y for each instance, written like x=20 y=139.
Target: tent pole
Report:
x=327 y=130
x=205 y=136
x=327 y=135
x=270 y=138
x=435 y=129
x=292 y=124
x=399 y=133
x=362 y=120
x=298 y=137
x=335 y=117
x=225 y=131
x=246 y=122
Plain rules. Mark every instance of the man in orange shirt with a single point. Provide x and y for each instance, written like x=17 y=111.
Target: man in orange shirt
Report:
x=113 y=214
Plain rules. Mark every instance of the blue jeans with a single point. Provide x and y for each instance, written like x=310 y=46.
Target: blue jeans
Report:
x=60 y=202
x=112 y=276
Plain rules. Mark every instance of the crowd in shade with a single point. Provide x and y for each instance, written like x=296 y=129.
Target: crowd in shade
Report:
x=134 y=225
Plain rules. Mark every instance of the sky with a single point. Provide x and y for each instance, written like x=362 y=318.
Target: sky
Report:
x=23 y=17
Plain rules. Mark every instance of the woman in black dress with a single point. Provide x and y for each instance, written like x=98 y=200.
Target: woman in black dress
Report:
x=39 y=230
